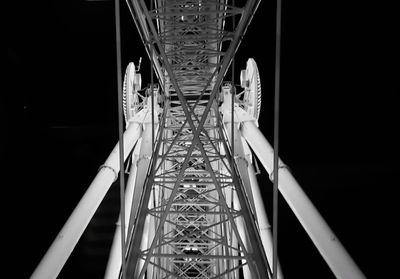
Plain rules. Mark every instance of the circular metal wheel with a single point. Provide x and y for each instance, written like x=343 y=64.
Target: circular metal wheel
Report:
x=132 y=101
x=250 y=80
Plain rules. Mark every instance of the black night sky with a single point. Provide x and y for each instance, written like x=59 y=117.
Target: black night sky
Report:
x=339 y=125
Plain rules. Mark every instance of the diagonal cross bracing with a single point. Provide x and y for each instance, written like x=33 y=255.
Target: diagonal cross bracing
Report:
x=196 y=229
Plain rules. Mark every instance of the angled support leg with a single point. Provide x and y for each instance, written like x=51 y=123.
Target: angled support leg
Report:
x=66 y=240
x=333 y=252
x=262 y=219
x=242 y=232
x=114 y=260
x=240 y=159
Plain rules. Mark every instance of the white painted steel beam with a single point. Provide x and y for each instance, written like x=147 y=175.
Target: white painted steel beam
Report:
x=142 y=169
x=247 y=274
x=262 y=219
x=333 y=252
x=240 y=159
x=66 y=240
x=114 y=259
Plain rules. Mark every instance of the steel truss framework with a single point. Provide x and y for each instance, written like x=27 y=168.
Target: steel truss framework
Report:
x=194 y=209
x=191 y=203
x=193 y=200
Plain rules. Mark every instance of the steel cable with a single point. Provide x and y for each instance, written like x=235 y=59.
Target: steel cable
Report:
x=120 y=136
x=276 y=139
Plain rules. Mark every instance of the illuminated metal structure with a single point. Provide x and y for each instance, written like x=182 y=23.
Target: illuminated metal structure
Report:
x=192 y=202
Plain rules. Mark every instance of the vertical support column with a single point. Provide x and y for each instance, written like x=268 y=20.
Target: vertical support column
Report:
x=335 y=255
x=231 y=236
x=221 y=229
x=150 y=232
x=143 y=245
x=68 y=237
x=154 y=224
x=232 y=241
x=168 y=227
x=218 y=266
x=240 y=159
x=142 y=169
x=114 y=260
x=242 y=232
x=143 y=164
x=262 y=219
x=219 y=250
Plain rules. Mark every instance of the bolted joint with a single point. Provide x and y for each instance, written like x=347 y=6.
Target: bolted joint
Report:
x=110 y=168
x=241 y=158
x=281 y=166
x=143 y=157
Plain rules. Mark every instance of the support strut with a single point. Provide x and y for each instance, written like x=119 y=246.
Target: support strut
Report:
x=66 y=240
x=335 y=255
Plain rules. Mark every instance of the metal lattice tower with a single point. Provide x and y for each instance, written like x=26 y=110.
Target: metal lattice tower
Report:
x=193 y=199
x=192 y=203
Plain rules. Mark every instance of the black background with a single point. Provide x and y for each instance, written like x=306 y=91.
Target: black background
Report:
x=338 y=129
